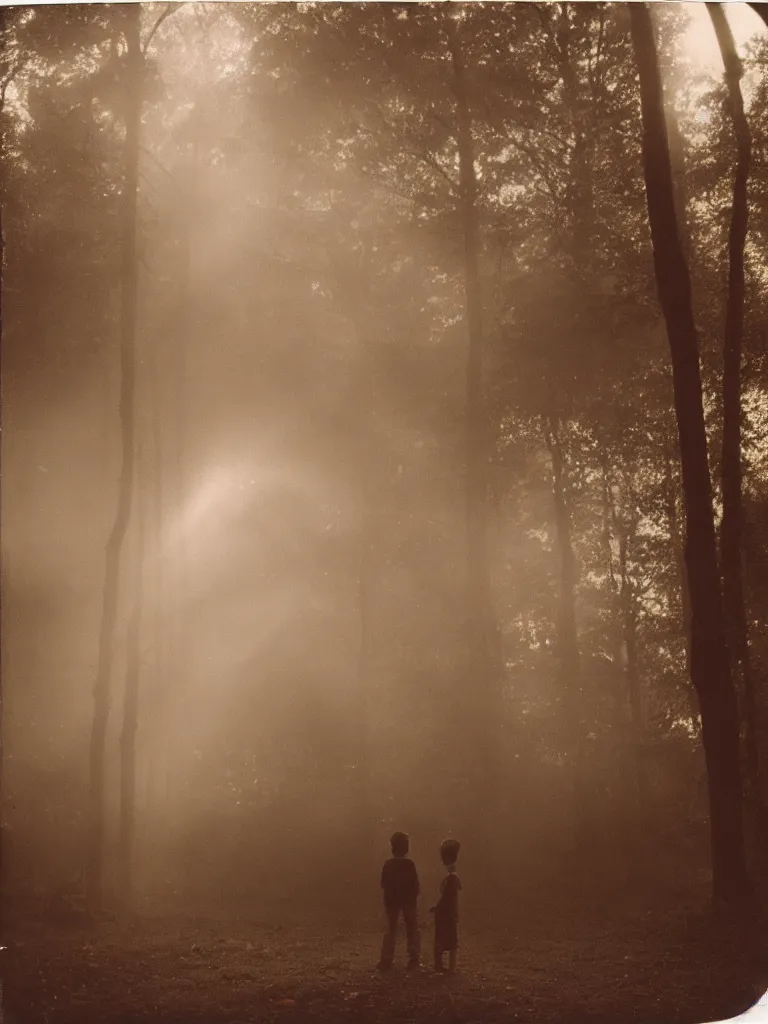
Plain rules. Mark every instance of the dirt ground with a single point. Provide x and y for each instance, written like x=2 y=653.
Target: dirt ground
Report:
x=571 y=961
x=567 y=967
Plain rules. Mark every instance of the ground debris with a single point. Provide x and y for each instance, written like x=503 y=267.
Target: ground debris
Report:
x=159 y=974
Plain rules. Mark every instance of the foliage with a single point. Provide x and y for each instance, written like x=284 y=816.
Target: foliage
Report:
x=301 y=255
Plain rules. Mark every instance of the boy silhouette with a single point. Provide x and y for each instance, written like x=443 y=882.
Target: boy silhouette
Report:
x=446 y=910
x=400 y=884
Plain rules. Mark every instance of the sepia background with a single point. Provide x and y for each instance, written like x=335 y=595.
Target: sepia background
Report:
x=359 y=581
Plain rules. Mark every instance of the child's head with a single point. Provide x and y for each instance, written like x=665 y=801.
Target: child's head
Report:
x=449 y=851
x=399 y=844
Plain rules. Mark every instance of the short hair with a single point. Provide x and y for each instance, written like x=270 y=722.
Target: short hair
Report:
x=399 y=842
x=449 y=850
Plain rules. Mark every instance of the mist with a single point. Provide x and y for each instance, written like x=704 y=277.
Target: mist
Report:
x=347 y=490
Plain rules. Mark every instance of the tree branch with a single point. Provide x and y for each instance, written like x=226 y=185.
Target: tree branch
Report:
x=761 y=10
x=148 y=152
x=169 y=10
x=429 y=161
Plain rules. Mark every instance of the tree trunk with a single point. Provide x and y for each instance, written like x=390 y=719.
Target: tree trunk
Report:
x=3 y=22
x=567 y=633
x=678 y=547
x=354 y=288
x=179 y=635
x=761 y=10
x=607 y=532
x=130 y=723
x=630 y=724
x=581 y=198
x=710 y=668
x=156 y=711
x=128 y=308
x=677 y=156
x=732 y=528
x=676 y=151
x=626 y=527
x=479 y=614
x=364 y=675
x=580 y=204
x=624 y=804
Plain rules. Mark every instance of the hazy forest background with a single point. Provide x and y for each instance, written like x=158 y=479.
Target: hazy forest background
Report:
x=342 y=486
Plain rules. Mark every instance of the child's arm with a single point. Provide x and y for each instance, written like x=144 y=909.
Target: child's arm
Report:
x=447 y=892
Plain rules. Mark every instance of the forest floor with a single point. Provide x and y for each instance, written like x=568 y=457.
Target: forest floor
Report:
x=565 y=967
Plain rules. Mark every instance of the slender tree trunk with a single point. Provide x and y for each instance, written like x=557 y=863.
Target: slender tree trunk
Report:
x=581 y=107
x=710 y=668
x=626 y=530
x=128 y=309
x=156 y=712
x=623 y=808
x=677 y=156
x=608 y=531
x=567 y=632
x=368 y=464
x=131 y=722
x=479 y=612
x=732 y=529
x=178 y=585
x=678 y=547
x=364 y=660
x=676 y=149
x=3 y=23
x=630 y=712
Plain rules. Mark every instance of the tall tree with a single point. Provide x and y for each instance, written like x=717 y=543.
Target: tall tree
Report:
x=710 y=667
x=732 y=527
x=7 y=74
x=6 y=70
x=131 y=80
x=479 y=613
x=130 y=721
x=569 y=656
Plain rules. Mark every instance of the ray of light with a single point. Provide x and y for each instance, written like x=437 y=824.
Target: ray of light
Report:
x=701 y=42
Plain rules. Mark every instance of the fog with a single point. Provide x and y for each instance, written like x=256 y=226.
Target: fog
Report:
x=377 y=589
